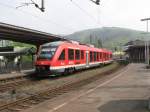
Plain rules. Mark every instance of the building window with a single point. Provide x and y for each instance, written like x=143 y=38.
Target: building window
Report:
x=70 y=54
x=62 y=55
x=77 y=52
x=82 y=54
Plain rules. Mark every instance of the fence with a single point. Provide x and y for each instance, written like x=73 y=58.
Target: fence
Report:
x=8 y=67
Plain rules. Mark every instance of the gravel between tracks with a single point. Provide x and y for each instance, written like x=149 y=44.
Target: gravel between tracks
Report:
x=30 y=89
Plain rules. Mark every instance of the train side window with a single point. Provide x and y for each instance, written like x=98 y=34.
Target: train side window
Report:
x=91 y=56
x=62 y=55
x=110 y=55
x=82 y=54
x=100 y=55
x=77 y=52
x=95 y=55
x=70 y=54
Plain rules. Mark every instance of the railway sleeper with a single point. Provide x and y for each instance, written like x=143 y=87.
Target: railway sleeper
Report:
x=38 y=99
x=46 y=97
x=32 y=102
x=23 y=105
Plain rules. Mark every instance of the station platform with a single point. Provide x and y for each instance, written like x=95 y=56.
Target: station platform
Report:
x=127 y=91
x=22 y=73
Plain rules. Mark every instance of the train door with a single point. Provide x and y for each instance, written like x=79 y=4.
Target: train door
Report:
x=87 y=58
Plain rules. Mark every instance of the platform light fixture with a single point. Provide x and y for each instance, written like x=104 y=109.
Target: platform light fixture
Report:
x=146 y=42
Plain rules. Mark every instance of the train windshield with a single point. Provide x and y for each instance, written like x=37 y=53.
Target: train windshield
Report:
x=47 y=52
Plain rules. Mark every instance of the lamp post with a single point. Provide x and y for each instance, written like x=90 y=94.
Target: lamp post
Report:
x=146 y=42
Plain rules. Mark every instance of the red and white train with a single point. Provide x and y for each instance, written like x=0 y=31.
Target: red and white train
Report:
x=67 y=56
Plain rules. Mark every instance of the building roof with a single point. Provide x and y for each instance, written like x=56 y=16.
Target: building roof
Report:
x=134 y=44
x=26 y=35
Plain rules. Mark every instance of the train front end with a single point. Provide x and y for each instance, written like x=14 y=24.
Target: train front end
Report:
x=45 y=58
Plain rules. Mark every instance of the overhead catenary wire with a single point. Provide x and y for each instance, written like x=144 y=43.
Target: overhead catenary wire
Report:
x=99 y=15
x=85 y=12
x=37 y=17
x=65 y=28
x=26 y=4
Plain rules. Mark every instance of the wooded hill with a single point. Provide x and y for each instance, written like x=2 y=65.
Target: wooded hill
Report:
x=108 y=37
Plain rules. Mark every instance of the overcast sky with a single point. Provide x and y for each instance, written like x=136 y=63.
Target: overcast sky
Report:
x=65 y=17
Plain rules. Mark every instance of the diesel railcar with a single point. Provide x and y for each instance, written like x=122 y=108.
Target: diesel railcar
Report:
x=67 y=56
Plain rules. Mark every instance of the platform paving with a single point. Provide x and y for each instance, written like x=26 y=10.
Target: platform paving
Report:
x=16 y=74
x=128 y=91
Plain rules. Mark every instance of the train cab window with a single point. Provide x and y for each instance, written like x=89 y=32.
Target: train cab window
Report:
x=77 y=54
x=47 y=52
x=70 y=54
x=82 y=54
x=62 y=55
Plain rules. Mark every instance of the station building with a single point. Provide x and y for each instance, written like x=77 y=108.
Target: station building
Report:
x=135 y=51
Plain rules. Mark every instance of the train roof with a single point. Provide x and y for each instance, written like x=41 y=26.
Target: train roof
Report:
x=56 y=43
x=76 y=45
x=82 y=46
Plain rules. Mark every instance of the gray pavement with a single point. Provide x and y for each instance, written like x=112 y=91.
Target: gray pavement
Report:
x=128 y=91
x=16 y=74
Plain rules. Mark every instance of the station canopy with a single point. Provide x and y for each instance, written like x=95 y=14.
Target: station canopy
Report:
x=26 y=35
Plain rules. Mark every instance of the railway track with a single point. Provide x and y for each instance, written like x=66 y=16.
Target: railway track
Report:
x=44 y=95
x=15 y=84
x=7 y=84
x=10 y=84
